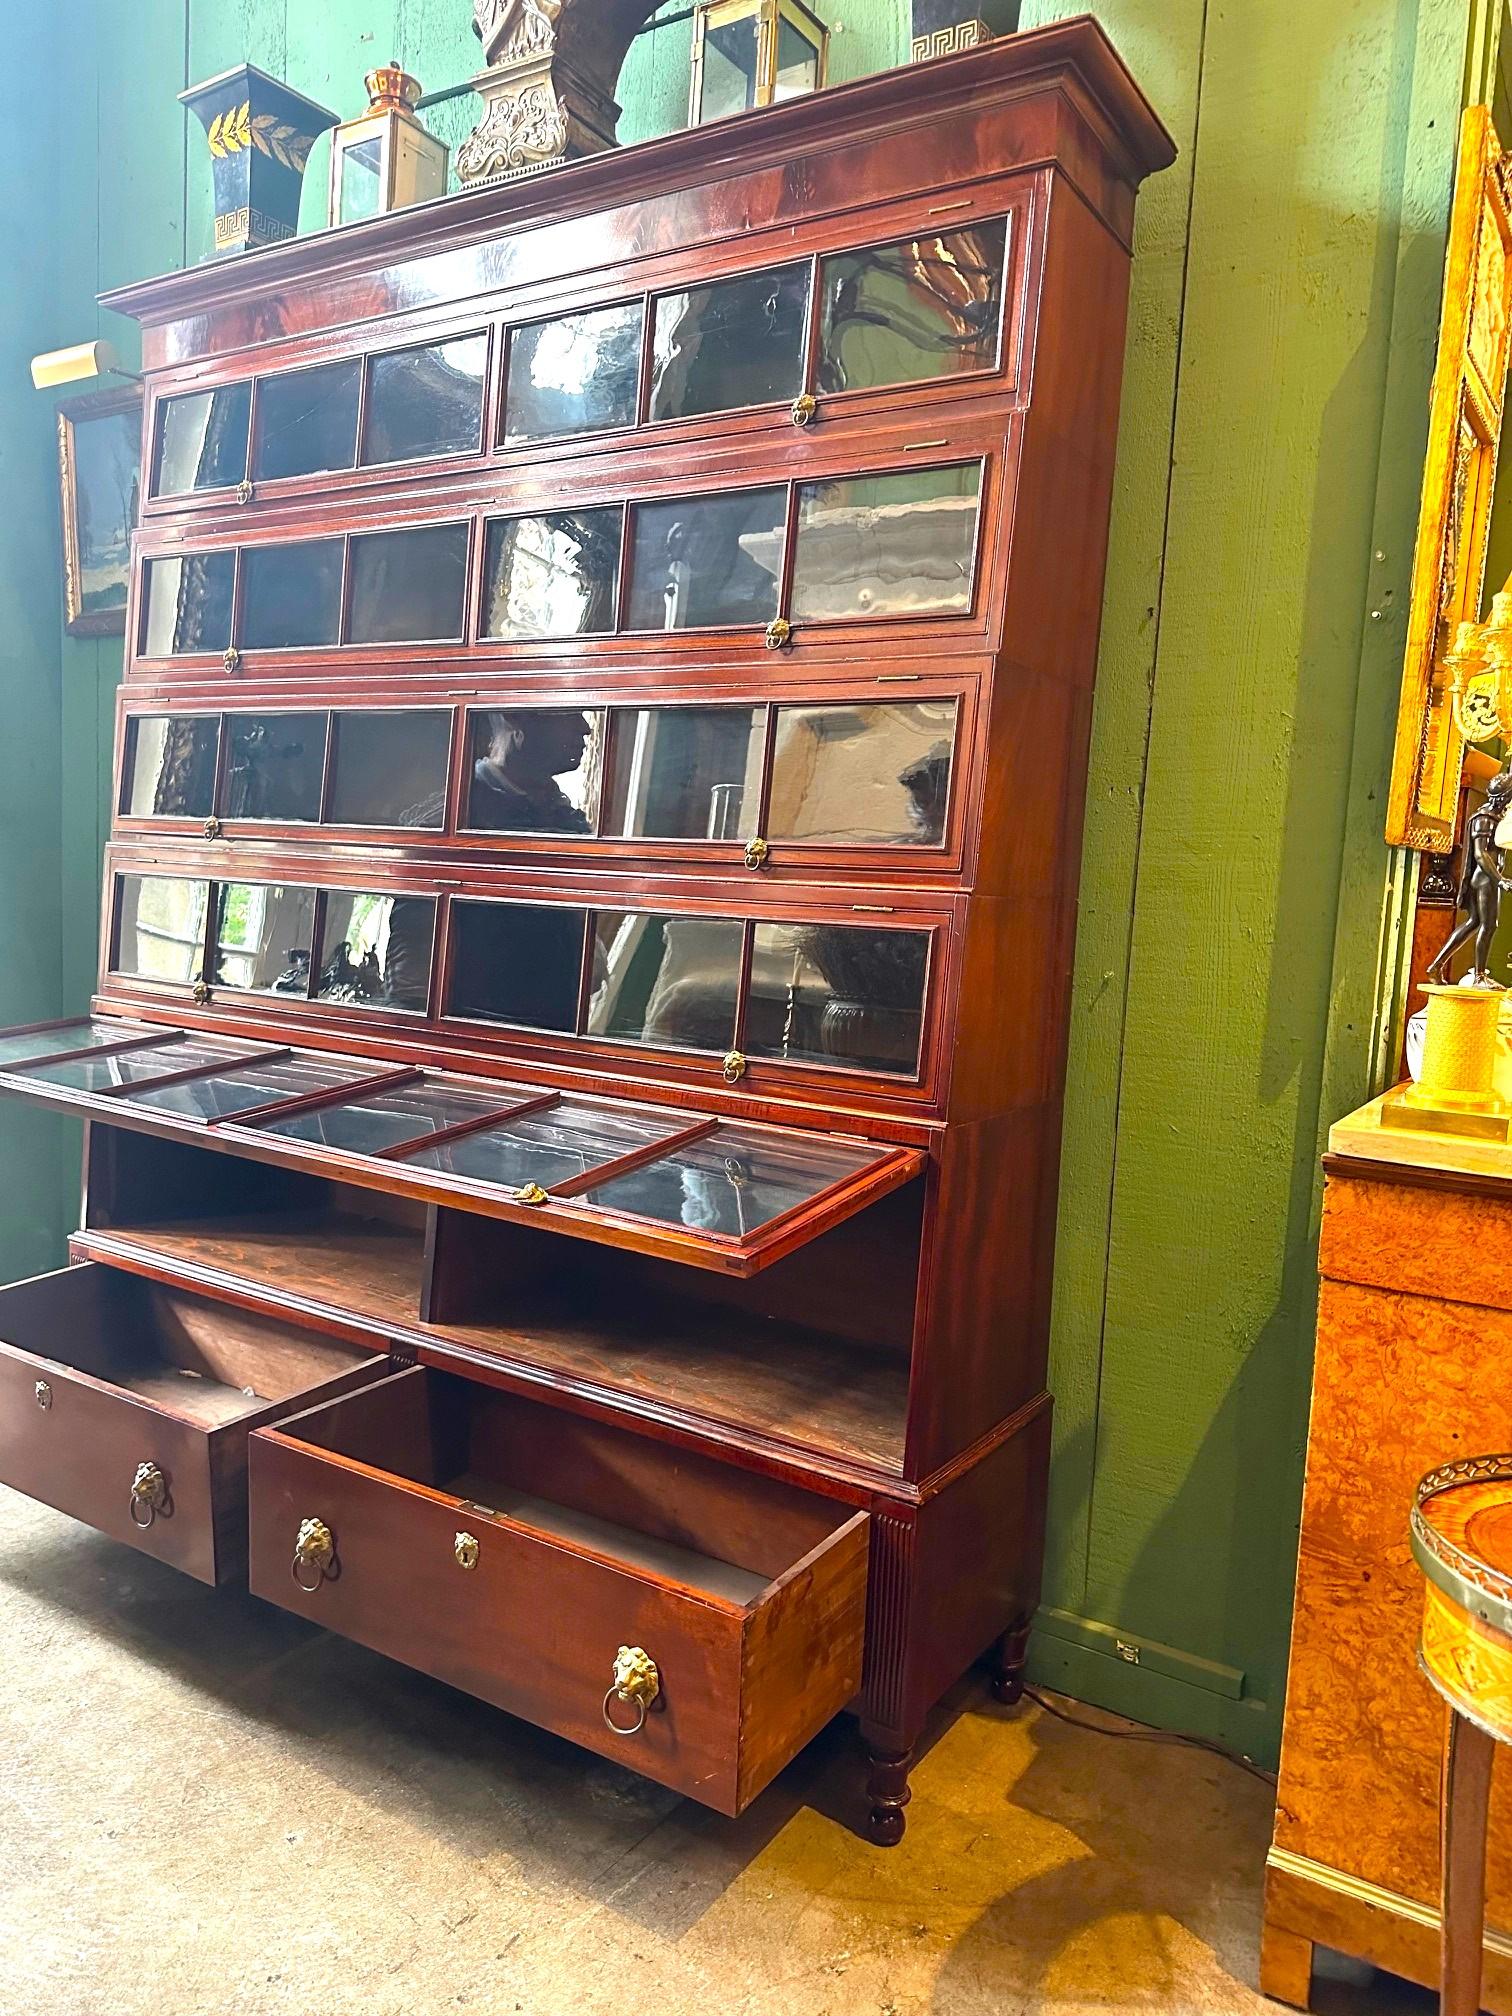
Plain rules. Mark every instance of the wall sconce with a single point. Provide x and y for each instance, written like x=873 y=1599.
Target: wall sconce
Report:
x=78 y=361
x=385 y=159
x=753 y=52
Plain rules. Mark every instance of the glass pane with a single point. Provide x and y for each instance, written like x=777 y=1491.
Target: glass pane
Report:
x=375 y=951
x=901 y=545
x=736 y=342
x=797 y=64
x=16 y=1047
x=920 y=308
x=863 y=775
x=291 y=595
x=685 y=773
x=566 y=1140
x=160 y=927
x=554 y=575
x=383 y=1119
x=170 y=766
x=729 y=69
x=264 y=938
x=187 y=603
x=361 y=165
x=238 y=1091
x=699 y=561
x=516 y=962
x=202 y=440
x=671 y=981
x=132 y=1067
x=534 y=770
x=425 y=401
x=732 y=1181
x=274 y=764
x=837 y=994
x=390 y=769
x=407 y=587
x=307 y=420
x=573 y=375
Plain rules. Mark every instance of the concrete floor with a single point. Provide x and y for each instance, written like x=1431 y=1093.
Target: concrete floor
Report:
x=209 y=1808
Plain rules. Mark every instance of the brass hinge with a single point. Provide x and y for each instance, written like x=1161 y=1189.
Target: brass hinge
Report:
x=401 y=1356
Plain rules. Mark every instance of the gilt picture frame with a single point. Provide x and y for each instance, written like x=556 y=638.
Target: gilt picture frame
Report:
x=100 y=486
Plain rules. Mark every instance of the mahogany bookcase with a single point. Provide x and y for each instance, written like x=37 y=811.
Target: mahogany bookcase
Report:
x=574 y=1090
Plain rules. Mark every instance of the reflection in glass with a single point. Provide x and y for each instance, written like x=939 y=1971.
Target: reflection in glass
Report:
x=18 y=1046
x=407 y=587
x=383 y=1119
x=736 y=342
x=307 y=420
x=274 y=766
x=132 y=1067
x=732 y=1181
x=568 y=1139
x=797 y=63
x=901 y=545
x=187 y=603
x=670 y=981
x=291 y=595
x=574 y=374
x=223 y=1093
x=390 y=769
x=685 y=773
x=160 y=927
x=170 y=766
x=202 y=440
x=425 y=401
x=699 y=561
x=534 y=770
x=552 y=575
x=863 y=775
x=516 y=962
x=837 y=994
x=926 y=307
x=264 y=934
x=375 y=950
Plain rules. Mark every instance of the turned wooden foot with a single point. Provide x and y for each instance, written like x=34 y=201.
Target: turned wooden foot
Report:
x=1008 y=1659
x=1286 y=1965
x=888 y=1791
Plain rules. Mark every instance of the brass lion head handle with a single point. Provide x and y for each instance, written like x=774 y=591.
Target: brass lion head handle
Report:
x=149 y=1495
x=314 y=1555
x=637 y=1683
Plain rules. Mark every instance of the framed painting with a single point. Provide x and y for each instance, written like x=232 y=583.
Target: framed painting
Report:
x=100 y=474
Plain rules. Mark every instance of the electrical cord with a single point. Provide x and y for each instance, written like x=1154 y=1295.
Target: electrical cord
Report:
x=1167 y=1736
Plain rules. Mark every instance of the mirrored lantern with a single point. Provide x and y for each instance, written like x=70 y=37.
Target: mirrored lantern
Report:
x=753 y=52
x=385 y=159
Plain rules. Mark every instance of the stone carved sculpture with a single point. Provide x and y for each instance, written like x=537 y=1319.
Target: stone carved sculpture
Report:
x=548 y=87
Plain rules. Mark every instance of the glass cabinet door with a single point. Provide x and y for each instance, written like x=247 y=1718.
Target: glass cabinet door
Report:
x=375 y=950
x=534 y=770
x=919 y=308
x=425 y=401
x=160 y=927
x=732 y=1181
x=408 y=587
x=552 y=574
x=519 y=963
x=265 y=933
x=837 y=994
x=736 y=342
x=574 y=374
x=863 y=774
x=275 y=764
x=685 y=773
x=187 y=601
x=307 y=420
x=565 y=1141
x=202 y=440
x=221 y=1095
x=169 y=766
x=667 y=981
x=291 y=595
x=698 y=562
x=898 y=545
x=390 y=769
x=380 y=1121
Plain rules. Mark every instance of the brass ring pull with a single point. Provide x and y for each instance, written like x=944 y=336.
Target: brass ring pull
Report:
x=244 y=491
x=314 y=1555
x=733 y=1068
x=636 y=1681
x=149 y=1496
x=803 y=409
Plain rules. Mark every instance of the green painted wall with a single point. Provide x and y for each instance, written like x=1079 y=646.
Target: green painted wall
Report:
x=1236 y=896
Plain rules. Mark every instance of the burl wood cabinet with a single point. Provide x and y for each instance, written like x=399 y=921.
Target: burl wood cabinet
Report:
x=1414 y=1340
x=574 y=1089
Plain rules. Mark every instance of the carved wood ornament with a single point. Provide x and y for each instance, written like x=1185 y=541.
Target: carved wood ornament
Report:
x=548 y=88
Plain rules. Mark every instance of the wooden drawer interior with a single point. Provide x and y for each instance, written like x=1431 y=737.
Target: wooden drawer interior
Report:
x=587 y=1536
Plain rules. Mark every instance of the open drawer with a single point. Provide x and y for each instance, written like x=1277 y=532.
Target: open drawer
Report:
x=129 y=1406
x=697 y=1623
